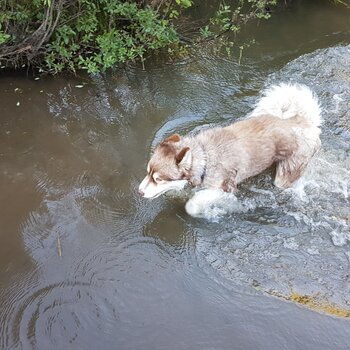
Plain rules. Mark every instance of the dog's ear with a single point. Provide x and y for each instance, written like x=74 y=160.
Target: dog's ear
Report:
x=184 y=158
x=173 y=138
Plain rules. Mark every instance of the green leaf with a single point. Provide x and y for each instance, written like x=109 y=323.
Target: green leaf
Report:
x=184 y=3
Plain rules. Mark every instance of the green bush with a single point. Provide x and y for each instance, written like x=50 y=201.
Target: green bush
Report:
x=93 y=35
x=57 y=35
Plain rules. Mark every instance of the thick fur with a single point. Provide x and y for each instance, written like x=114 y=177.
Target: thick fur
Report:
x=283 y=129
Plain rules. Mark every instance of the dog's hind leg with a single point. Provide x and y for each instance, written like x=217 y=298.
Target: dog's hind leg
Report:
x=290 y=169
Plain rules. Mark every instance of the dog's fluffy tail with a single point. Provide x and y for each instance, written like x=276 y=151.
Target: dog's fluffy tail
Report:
x=288 y=100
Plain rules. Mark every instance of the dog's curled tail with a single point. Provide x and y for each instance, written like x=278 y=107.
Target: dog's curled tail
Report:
x=289 y=100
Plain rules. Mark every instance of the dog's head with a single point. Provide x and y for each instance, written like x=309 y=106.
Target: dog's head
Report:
x=168 y=168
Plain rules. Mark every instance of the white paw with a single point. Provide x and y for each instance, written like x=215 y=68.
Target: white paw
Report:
x=211 y=204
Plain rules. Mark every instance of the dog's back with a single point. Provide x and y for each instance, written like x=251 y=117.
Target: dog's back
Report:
x=248 y=147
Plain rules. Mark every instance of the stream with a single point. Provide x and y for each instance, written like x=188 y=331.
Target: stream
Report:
x=86 y=263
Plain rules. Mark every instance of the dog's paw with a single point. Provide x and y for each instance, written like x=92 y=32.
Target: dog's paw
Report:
x=211 y=204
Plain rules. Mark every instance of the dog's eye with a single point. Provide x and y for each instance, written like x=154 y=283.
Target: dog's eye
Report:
x=158 y=179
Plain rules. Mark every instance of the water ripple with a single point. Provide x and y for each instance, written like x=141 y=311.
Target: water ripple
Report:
x=57 y=315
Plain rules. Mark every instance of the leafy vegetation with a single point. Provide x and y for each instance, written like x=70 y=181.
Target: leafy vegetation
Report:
x=94 y=35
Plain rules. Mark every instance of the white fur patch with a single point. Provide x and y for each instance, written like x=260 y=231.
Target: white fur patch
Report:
x=212 y=204
x=288 y=100
x=150 y=189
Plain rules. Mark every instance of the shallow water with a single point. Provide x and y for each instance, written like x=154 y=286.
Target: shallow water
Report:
x=85 y=263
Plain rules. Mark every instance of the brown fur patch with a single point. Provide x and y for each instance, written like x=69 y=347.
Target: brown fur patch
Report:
x=173 y=138
x=166 y=149
x=181 y=154
x=285 y=148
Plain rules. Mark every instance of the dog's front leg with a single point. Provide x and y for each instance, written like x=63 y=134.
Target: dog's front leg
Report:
x=195 y=181
x=229 y=183
x=229 y=186
x=223 y=179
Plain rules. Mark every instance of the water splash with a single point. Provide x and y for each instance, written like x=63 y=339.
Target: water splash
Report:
x=213 y=204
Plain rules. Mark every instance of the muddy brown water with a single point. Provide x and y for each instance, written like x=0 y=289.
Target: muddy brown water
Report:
x=87 y=264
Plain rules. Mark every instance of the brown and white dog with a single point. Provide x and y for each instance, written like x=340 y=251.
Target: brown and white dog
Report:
x=282 y=129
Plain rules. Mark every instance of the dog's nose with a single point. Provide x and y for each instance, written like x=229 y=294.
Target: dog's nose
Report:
x=141 y=193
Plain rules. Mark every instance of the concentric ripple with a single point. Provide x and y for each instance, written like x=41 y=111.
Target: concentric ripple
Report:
x=59 y=315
